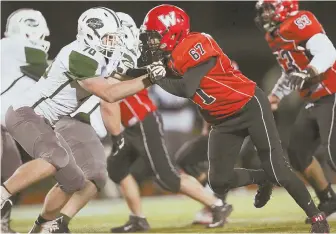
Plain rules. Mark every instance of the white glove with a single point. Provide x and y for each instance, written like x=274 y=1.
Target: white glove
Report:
x=156 y=72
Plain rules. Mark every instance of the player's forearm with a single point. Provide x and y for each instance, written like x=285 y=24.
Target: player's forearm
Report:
x=119 y=91
x=323 y=51
x=281 y=88
x=173 y=86
x=111 y=91
x=111 y=117
x=187 y=85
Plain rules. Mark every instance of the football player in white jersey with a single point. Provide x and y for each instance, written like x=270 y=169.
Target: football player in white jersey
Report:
x=99 y=114
x=23 y=61
x=77 y=72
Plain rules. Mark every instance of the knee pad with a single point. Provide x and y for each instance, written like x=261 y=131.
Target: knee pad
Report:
x=195 y=170
x=298 y=162
x=99 y=179
x=171 y=183
x=139 y=176
x=70 y=178
x=114 y=173
x=53 y=149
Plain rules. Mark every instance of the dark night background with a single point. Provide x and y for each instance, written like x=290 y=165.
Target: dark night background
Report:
x=230 y=23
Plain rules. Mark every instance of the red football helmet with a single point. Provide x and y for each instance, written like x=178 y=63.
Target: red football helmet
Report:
x=271 y=13
x=163 y=28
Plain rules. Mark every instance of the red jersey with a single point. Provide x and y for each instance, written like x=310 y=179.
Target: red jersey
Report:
x=288 y=44
x=135 y=108
x=223 y=90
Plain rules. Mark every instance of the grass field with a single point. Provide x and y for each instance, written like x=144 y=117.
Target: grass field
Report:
x=174 y=215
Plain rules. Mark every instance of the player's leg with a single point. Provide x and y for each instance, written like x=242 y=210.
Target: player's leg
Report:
x=249 y=155
x=10 y=161
x=90 y=157
x=119 y=169
x=193 y=160
x=302 y=147
x=324 y=112
x=156 y=155
x=265 y=137
x=190 y=155
x=139 y=172
x=49 y=149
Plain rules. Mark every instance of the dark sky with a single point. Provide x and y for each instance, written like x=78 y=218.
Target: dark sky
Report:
x=230 y=23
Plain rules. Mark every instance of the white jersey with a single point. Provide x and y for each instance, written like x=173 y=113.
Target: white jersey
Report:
x=90 y=110
x=16 y=53
x=58 y=93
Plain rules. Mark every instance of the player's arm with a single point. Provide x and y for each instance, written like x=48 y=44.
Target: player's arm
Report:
x=324 y=56
x=85 y=69
x=112 y=120
x=187 y=85
x=115 y=92
x=323 y=51
x=280 y=90
x=308 y=30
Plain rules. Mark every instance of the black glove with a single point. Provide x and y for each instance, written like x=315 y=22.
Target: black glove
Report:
x=156 y=72
x=118 y=142
x=302 y=79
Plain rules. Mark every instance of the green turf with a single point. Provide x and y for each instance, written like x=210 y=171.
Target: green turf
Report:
x=175 y=215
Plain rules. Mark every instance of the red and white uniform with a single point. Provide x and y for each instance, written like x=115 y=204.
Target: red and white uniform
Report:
x=301 y=41
x=135 y=108
x=224 y=90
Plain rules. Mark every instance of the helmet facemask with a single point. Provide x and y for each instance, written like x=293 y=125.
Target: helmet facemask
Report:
x=265 y=17
x=151 y=48
x=111 y=43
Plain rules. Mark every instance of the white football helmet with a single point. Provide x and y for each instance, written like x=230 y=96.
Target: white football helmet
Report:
x=100 y=28
x=132 y=32
x=28 y=24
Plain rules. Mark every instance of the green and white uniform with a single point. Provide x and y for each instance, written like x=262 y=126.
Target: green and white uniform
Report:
x=17 y=54
x=57 y=93
x=90 y=110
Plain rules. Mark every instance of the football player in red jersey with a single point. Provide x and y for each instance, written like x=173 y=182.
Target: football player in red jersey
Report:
x=307 y=58
x=233 y=105
x=143 y=138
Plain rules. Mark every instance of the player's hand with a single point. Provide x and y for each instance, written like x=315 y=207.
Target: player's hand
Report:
x=156 y=72
x=118 y=142
x=274 y=100
x=302 y=79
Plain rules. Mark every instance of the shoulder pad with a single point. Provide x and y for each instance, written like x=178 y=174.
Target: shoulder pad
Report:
x=300 y=27
x=82 y=66
x=196 y=48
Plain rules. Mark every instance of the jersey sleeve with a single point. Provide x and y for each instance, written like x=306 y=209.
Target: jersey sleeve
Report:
x=195 y=49
x=303 y=26
x=35 y=56
x=81 y=66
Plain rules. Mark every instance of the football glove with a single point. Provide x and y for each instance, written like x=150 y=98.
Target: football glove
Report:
x=118 y=142
x=302 y=79
x=156 y=72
